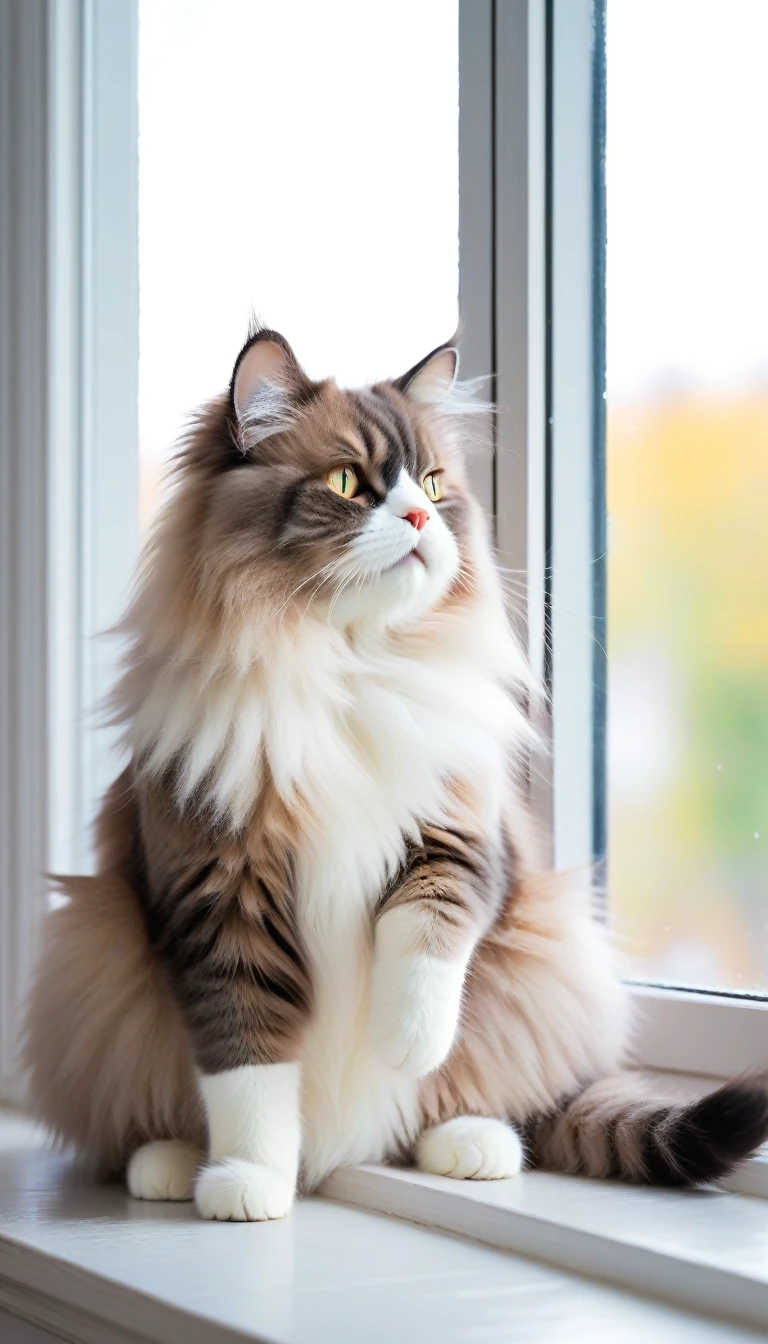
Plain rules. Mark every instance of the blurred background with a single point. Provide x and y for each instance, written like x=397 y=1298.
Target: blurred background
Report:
x=687 y=450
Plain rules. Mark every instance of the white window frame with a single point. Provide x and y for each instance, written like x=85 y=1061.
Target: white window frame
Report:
x=527 y=224
x=69 y=442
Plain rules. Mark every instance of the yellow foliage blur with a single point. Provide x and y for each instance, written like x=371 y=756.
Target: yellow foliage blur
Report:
x=688 y=687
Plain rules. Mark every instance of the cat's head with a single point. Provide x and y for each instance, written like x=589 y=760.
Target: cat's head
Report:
x=308 y=498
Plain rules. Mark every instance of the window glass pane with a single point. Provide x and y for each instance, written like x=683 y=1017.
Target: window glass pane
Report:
x=687 y=334
x=301 y=160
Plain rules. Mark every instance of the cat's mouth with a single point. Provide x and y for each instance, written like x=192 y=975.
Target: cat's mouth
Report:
x=407 y=559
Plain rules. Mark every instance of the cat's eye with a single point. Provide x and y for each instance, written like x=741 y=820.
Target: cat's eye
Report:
x=344 y=481
x=432 y=485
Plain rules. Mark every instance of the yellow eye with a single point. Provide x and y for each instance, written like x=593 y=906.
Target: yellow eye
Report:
x=432 y=485
x=344 y=481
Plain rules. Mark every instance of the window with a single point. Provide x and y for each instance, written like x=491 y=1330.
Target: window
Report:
x=687 y=479
x=103 y=111
x=219 y=204
x=669 y=911
x=68 y=461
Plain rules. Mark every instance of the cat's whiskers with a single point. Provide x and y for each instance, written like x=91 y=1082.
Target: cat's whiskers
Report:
x=318 y=574
x=328 y=573
x=516 y=591
x=346 y=581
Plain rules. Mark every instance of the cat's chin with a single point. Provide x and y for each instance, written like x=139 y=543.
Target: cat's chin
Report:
x=401 y=593
x=406 y=561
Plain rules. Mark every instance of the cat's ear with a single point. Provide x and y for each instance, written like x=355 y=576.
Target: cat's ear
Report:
x=267 y=385
x=431 y=380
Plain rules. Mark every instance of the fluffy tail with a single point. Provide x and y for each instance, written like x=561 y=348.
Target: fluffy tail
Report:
x=615 y=1128
x=108 y=1060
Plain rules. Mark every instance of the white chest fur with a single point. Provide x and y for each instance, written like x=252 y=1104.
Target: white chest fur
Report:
x=374 y=768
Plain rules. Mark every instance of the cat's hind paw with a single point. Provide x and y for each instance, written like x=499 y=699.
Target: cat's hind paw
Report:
x=233 y=1190
x=470 y=1147
x=163 y=1170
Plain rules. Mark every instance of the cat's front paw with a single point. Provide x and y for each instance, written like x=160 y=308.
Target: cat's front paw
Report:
x=163 y=1170
x=415 y=1005
x=411 y=1050
x=242 y=1192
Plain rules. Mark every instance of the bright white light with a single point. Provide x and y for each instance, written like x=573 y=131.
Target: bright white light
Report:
x=299 y=158
x=687 y=123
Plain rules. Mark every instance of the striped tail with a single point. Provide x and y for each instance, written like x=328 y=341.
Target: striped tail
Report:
x=615 y=1128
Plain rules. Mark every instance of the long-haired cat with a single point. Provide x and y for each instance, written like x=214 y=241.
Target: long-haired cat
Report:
x=319 y=932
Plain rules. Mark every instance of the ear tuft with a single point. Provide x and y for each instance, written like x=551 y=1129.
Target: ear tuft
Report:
x=431 y=380
x=266 y=383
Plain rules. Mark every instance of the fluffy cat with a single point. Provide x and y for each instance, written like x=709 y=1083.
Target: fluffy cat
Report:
x=320 y=932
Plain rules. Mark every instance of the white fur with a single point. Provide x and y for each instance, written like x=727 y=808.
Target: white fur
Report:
x=163 y=1170
x=415 y=998
x=234 y=1191
x=364 y=719
x=470 y=1147
x=254 y=1129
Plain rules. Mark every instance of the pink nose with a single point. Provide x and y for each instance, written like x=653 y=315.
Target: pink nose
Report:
x=418 y=518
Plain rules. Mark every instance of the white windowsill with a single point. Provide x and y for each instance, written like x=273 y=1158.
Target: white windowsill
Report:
x=95 y=1266
x=705 y=1250
x=683 y=1031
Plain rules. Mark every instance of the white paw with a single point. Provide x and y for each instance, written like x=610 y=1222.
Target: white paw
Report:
x=415 y=1005
x=415 y=1047
x=242 y=1192
x=163 y=1170
x=472 y=1148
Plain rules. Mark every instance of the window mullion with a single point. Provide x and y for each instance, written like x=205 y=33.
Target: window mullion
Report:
x=573 y=378
x=109 y=530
